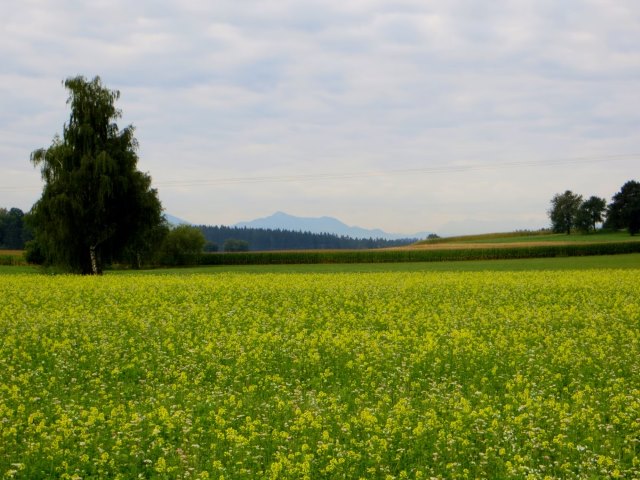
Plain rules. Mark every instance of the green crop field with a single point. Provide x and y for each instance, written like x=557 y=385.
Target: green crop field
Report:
x=623 y=261
x=12 y=257
x=302 y=375
x=534 y=237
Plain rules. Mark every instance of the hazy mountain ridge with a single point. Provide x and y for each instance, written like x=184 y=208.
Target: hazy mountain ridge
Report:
x=175 y=221
x=284 y=221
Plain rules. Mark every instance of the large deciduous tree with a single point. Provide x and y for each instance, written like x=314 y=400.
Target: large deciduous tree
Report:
x=624 y=211
x=95 y=203
x=564 y=208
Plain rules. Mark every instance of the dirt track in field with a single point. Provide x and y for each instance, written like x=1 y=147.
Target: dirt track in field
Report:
x=14 y=253
x=462 y=246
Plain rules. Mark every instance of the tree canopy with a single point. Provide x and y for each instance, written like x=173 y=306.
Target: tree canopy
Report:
x=564 y=207
x=95 y=204
x=590 y=213
x=568 y=211
x=624 y=210
x=13 y=233
x=182 y=244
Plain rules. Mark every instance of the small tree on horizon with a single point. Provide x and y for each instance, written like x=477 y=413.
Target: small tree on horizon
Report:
x=564 y=208
x=590 y=213
x=624 y=210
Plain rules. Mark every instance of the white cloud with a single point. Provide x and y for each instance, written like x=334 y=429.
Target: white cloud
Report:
x=231 y=89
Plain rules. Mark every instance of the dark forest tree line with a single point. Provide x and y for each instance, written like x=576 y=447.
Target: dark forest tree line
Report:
x=13 y=230
x=569 y=212
x=277 y=239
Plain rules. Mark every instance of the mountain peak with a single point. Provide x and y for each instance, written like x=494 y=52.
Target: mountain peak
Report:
x=325 y=224
x=175 y=221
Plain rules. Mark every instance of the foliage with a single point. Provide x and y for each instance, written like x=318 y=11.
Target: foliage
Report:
x=33 y=253
x=182 y=245
x=95 y=203
x=269 y=239
x=146 y=247
x=624 y=211
x=235 y=245
x=563 y=211
x=210 y=247
x=590 y=213
x=13 y=232
x=383 y=375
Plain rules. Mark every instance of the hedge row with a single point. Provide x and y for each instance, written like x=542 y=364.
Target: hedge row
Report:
x=384 y=256
x=396 y=256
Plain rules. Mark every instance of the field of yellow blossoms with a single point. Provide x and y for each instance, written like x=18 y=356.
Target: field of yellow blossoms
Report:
x=338 y=376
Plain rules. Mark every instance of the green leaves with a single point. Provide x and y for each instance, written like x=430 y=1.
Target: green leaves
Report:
x=94 y=199
x=564 y=208
x=569 y=212
x=624 y=211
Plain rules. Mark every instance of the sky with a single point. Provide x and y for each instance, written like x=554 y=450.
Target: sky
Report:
x=408 y=115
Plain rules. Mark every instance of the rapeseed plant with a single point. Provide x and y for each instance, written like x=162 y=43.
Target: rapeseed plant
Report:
x=380 y=375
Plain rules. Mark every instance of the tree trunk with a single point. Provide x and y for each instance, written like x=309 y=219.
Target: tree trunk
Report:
x=94 y=260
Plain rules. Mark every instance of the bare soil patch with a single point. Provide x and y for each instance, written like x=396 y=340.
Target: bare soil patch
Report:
x=15 y=253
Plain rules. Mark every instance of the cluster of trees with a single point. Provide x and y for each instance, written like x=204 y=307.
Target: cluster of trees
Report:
x=277 y=239
x=624 y=211
x=570 y=212
x=97 y=208
x=13 y=231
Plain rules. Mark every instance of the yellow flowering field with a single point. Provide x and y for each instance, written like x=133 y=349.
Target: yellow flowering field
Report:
x=377 y=375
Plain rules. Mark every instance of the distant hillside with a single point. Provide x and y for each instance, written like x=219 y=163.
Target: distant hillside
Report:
x=533 y=237
x=279 y=239
x=284 y=221
x=175 y=220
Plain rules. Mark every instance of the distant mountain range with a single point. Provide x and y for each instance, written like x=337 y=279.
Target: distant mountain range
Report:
x=284 y=221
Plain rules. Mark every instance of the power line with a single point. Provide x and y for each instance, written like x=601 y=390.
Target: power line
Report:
x=425 y=170
x=438 y=170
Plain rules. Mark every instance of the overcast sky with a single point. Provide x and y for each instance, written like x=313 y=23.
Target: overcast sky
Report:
x=406 y=115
